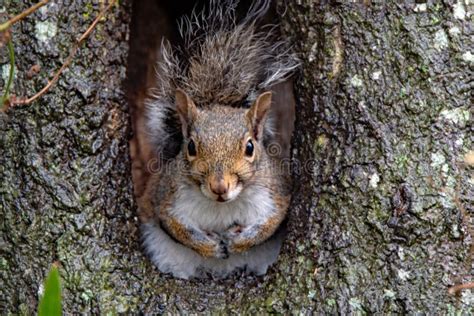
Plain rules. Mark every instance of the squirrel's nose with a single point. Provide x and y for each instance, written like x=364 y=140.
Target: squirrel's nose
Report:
x=219 y=187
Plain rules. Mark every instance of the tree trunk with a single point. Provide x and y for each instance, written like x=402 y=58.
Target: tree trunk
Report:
x=385 y=120
x=381 y=216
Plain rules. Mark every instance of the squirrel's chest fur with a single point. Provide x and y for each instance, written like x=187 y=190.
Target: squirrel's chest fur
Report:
x=253 y=205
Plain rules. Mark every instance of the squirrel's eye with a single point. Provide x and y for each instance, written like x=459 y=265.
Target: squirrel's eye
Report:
x=191 y=148
x=249 y=148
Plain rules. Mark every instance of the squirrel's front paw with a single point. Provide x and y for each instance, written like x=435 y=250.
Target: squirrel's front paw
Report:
x=219 y=247
x=237 y=239
x=233 y=232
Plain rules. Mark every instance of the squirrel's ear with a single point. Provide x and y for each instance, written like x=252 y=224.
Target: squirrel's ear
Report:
x=187 y=110
x=257 y=114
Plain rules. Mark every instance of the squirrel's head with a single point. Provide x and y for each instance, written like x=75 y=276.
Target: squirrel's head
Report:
x=223 y=146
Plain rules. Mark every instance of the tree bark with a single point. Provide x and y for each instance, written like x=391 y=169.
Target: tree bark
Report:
x=385 y=117
x=381 y=218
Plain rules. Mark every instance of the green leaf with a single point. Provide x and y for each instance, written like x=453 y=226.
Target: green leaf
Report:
x=50 y=304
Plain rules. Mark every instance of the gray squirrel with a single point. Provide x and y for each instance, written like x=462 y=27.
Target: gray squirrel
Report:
x=218 y=199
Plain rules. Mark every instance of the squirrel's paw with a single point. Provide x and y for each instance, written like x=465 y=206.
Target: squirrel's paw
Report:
x=233 y=232
x=237 y=239
x=220 y=246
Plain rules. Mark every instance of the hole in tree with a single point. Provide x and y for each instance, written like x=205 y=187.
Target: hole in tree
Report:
x=152 y=21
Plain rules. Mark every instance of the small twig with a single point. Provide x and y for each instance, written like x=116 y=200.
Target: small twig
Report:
x=72 y=53
x=5 y=26
x=455 y=289
x=6 y=94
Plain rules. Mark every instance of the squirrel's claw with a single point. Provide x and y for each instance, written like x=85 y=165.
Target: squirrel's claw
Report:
x=223 y=251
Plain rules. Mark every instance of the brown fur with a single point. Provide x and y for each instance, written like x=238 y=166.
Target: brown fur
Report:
x=221 y=155
x=217 y=101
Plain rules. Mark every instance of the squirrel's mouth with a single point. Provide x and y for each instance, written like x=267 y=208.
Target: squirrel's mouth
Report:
x=225 y=199
x=231 y=195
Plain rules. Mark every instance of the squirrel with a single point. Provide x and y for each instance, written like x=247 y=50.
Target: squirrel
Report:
x=218 y=199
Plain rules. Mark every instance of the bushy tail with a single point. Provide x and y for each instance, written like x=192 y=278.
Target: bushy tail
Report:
x=223 y=61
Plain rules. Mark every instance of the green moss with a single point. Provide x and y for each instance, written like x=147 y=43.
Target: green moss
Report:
x=89 y=10
x=3 y=264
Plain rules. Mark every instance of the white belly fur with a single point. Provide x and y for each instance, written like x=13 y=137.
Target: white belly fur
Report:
x=192 y=208
x=252 y=206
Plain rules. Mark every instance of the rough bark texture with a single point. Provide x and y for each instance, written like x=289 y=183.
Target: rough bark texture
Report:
x=380 y=218
x=386 y=114
x=65 y=188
